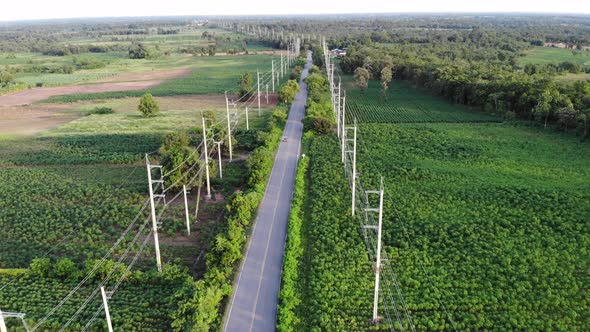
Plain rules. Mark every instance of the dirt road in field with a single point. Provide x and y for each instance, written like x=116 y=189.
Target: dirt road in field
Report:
x=122 y=82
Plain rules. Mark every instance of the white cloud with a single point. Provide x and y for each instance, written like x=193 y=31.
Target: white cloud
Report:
x=39 y=9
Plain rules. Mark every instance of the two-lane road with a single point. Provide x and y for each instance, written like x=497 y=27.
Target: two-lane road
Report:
x=254 y=302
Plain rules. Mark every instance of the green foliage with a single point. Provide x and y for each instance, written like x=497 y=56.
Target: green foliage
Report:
x=65 y=268
x=201 y=310
x=279 y=116
x=362 y=75
x=327 y=284
x=142 y=302
x=290 y=294
x=408 y=104
x=288 y=91
x=319 y=114
x=520 y=190
x=41 y=267
x=101 y=110
x=140 y=51
x=177 y=158
x=148 y=105
x=246 y=85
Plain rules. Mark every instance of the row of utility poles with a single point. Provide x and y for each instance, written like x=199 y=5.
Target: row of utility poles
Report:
x=156 y=175
x=349 y=156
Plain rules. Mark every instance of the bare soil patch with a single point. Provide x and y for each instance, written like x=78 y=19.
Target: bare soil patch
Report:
x=29 y=120
x=37 y=94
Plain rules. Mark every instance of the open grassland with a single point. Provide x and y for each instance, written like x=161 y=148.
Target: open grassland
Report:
x=554 y=55
x=172 y=52
x=404 y=104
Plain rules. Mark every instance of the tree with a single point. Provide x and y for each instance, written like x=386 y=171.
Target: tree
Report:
x=288 y=91
x=178 y=158
x=246 y=85
x=322 y=125
x=148 y=105
x=362 y=75
x=41 y=267
x=65 y=268
x=6 y=77
x=139 y=51
x=211 y=50
x=386 y=76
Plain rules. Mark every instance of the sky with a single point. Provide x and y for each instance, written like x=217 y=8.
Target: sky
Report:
x=45 y=9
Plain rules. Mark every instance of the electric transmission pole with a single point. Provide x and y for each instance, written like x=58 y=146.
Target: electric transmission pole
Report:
x=353 y=151
x=219 y=156
x=282 y=67
x=272 y=70
x=258 y=87
x=106 y=296
x=188 y=222
x=207 y=157
x=247 y=121
x=2 y=324
x=21 y=316
x=343 y=124
x=377 y=227
x=267 y=93
x=153 y=207
x=229 y=127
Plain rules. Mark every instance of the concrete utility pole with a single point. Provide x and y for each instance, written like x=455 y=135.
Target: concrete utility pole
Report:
x=258 y=86
x=378 y=254
x=153 y=208
x=282 y=67
x=267 y=93
x=206 y=158
x=188 y=222
x=229 y=126
x=106 y=307
x=247 y=121
x=21 y=316
x=343 y=124
x=338 y=109
x=272 y=70
x=219 y=155
x=2 y=324
x=353 y=151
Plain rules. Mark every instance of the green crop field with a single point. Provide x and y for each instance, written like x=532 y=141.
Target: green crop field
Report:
x=210 y=75
x=546 y=55
x=497 y=215
x=404 y=104
x=32 y=68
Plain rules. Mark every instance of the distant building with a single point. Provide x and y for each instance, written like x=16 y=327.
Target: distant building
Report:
x=339 y=53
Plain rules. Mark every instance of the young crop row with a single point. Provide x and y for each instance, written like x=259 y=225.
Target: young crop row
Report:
x=495 y=217
x=372 y=111
x=334 y=277
x=406 y=104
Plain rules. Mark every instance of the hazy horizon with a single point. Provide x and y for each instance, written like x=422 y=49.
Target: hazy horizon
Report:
x=69 y=9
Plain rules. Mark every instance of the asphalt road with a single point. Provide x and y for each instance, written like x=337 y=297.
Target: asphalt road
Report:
x=254 y=302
